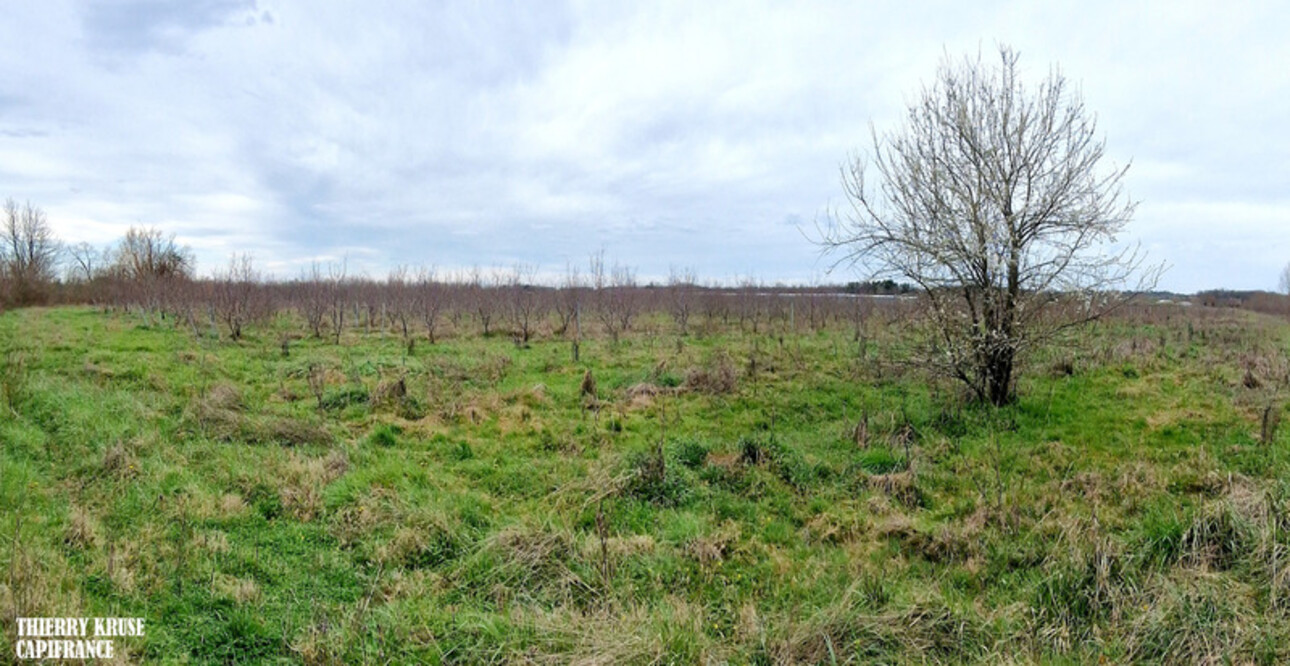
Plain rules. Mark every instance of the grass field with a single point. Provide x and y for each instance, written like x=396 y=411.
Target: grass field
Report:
x=728 y=497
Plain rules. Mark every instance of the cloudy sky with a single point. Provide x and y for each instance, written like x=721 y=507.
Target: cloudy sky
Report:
x=694 y=134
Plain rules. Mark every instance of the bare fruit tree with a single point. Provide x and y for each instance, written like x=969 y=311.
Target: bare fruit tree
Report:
x=680 y=297
x=567 y=300
x=994 y=200
x=430 y=299
x=526 y=305
x=237 y=295
x=337 y=290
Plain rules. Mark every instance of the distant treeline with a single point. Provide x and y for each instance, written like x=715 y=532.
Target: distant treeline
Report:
x=1258 y=301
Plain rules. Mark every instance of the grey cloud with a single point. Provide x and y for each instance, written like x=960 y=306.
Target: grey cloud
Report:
x=691 y=135
x=133 y=26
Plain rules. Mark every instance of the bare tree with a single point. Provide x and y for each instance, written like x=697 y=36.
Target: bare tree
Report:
x=401 y=302
x=311 y=298
x=29 y=253
x=237 y=297
x=431 y=299
x=750 y=302
x=612 y=292
x=623 y=297
x=1285 y=280
x=481 y=293
x=568 y=299
x=337 y=290
x=526 y=305
x=84 y=263
x=147 y=269
x=993 y=200
x=149 y=254
x=680 y=297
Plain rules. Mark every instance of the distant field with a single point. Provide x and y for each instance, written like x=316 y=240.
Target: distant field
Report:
x=785 y=496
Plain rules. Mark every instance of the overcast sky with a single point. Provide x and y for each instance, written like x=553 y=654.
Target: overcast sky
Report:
x=697 y=134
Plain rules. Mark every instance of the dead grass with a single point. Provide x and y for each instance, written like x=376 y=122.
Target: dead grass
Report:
x=238 y=590
x=303 y=480
x=717 y=378
x=900 y=486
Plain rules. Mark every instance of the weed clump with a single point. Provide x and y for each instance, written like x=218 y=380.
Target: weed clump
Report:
x=344 y=397
x=656 y=482
x=692 y=453
x=785 y=461
x=384 y=435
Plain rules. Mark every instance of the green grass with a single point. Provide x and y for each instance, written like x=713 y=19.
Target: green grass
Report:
x=484 y=510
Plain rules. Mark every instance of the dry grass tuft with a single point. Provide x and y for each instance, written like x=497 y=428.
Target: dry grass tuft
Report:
x=713 y=548
x=900 y=486
x=389 y=392
x=716 y=379
x=291 y=432
x=119 y=461
x=238 y=590
x=303 y=483
x=223 y=396
x=82 y=531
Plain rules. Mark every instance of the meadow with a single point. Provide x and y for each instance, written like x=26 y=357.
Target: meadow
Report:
x=798 y=494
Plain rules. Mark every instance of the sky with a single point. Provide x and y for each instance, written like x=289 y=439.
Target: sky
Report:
x=705 y=135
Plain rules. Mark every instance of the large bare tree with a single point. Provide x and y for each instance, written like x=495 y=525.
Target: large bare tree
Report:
x=149 y=254
x=29 y=253
x=995 y=199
